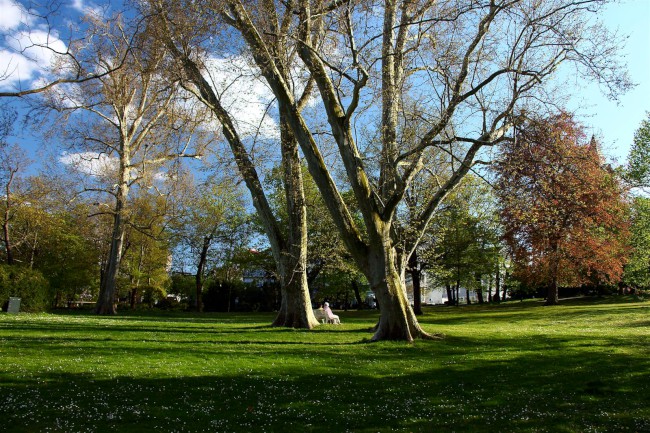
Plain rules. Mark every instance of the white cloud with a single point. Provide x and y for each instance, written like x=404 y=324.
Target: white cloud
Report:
x=102 y=165
x=162 y=176
x=29 y=55
x=40 y=46
x=245 y=96
x=13 y=15
x=15 y=68
x=89 y=8
x=91 y=163
x=78 y=5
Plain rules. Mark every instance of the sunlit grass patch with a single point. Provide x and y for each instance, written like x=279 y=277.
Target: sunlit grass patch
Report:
x=581 y=366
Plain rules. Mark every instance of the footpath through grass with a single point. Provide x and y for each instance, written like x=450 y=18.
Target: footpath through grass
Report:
x=583 y=366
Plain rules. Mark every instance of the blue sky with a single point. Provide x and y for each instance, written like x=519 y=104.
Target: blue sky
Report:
x=614 y=122
x=617 y=121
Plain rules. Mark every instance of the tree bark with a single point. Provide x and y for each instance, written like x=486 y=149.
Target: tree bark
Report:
x=7 y=216
x=479 y=290
x=552 y=295
x=497 y=285
x=198 y=301
x=490 y=289
x=134 y=297
x=450 y=294
x=357 y=294
x=296 y=310
x=397 y=321
x=106 y=301
x=416 y=274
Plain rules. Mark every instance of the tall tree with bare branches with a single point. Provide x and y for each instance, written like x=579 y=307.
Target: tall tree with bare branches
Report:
x=125 y=126
x=466 y=70
x=181 y=33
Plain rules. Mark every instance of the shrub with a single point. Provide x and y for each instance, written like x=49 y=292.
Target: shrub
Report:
x=171 y=304
x=152 y=294
x=27 y=284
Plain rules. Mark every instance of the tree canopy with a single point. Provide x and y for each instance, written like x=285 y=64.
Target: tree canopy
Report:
x=638 y=163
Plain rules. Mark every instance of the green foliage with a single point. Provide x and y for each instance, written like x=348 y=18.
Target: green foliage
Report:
x=637 y=270
x=66 y=257
x=216 y=213
x=152 y=294
x=337 y=287
x=184 y=286
x=325 y=249
x=232 y=372
x=28 y=285
x=638 y=164
x=464 y=236
x=143 y=269
x=54 y=238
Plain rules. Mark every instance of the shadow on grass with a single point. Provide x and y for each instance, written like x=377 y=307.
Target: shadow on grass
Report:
x=172 y=316
x=195 y=374
x=568 y=309
x=569 y=391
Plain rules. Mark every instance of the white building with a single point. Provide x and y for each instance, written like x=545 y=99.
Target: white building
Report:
x=438 y=295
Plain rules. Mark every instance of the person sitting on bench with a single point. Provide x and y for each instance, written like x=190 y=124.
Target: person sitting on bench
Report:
x=331 y=317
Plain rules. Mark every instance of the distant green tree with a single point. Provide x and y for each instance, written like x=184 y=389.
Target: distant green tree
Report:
x=52 y=234
x=145 y=262
x=638 y=163
x=637 y=270
x=212 y=226
x=466 y=246
x=13 y=163
x=66 y=256
x=27 y=284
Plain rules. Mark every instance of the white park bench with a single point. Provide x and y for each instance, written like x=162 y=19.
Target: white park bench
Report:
x=320 y=315
x=326 y=316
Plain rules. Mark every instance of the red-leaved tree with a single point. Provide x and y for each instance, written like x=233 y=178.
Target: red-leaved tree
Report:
x=564 y=210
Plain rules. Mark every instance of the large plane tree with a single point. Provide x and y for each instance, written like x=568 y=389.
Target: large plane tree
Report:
x=121 y=128
x=464 y=71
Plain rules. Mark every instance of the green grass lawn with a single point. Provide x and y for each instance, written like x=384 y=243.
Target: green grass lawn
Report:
x=583 y=366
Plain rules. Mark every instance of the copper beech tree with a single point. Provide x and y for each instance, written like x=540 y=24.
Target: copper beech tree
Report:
x=564 y=211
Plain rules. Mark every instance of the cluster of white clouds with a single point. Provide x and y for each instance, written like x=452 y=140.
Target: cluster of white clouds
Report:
x=103 y=166
x=245 y=95
x=242 y=92
x=90 y=163
x=28 y=46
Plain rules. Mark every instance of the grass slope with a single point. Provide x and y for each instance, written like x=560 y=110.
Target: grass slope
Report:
x=519 y=367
